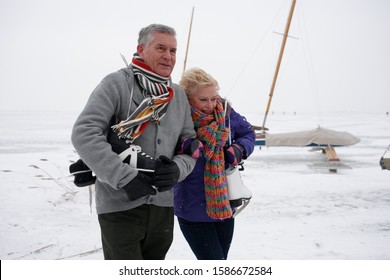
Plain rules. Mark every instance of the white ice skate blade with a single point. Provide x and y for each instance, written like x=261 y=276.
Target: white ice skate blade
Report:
x=238 y=210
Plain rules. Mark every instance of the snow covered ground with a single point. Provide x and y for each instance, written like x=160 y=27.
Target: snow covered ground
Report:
x=299 y=210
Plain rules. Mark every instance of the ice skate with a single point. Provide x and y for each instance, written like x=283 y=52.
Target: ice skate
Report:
x=130 y=153
x=239 y=195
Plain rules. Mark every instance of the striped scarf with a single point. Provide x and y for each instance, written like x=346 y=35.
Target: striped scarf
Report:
x=211 y=131
x=152 y=108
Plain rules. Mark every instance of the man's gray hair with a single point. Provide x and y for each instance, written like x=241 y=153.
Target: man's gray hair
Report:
x=146 y=34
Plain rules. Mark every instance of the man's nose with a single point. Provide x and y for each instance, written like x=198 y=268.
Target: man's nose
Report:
x=167 y=55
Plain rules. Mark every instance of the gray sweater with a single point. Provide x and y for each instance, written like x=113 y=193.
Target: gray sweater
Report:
x=112 y=98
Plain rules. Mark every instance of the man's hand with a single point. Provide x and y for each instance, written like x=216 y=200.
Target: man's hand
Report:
x=139 y=187
x=166 y=174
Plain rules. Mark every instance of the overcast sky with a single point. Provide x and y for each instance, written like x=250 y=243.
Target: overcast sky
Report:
x=53 y=53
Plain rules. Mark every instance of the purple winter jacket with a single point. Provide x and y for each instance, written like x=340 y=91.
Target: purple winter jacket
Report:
x=189 y=195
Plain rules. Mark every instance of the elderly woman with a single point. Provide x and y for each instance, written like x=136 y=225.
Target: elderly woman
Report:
x=200 y=201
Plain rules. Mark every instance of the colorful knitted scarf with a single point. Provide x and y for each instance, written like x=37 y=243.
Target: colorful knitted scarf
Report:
x=152 y=108
x=211 y=131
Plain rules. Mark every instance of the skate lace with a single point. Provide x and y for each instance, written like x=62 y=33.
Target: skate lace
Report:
x=138 y=149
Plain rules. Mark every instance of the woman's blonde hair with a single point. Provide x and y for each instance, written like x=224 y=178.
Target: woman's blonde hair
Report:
x=194 y=78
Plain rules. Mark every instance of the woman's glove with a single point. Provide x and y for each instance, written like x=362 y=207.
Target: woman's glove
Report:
x=166 y=174
x=233 y=154
x=190 y=146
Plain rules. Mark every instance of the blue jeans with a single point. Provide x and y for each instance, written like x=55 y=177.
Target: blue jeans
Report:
x=208 y=241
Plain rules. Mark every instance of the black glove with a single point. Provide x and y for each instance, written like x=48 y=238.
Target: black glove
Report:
x=139 y=187
x=82 y=174
x=118 y=145
x=166 y=174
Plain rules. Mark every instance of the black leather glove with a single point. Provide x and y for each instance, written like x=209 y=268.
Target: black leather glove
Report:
x=166 y=174
x=118 y=145
x=82 y=174
x=139 y=187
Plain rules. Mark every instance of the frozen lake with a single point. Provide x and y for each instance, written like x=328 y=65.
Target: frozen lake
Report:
x=299 y=210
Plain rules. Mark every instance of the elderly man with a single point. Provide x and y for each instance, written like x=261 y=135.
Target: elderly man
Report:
x=137 y=110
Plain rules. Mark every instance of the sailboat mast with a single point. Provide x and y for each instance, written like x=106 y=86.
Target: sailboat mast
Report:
x=285 y=35
x=188 y=40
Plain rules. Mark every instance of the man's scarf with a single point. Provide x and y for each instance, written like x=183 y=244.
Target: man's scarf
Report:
x=152 y=108
x=211 y=131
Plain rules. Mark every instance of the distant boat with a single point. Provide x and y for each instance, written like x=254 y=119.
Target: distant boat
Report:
x=385 y=162
x=320 y=137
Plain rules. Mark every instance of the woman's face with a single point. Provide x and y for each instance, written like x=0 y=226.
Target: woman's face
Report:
x=204 y=99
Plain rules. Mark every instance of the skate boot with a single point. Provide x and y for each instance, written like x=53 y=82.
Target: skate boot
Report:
x=239 y=195
x=131 y=154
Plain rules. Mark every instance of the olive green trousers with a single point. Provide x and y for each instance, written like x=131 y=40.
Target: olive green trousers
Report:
x=142 y=233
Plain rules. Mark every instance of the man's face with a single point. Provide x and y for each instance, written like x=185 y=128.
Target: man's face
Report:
x=160 y=53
